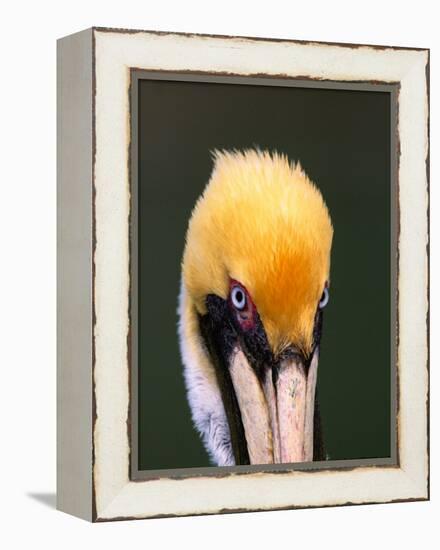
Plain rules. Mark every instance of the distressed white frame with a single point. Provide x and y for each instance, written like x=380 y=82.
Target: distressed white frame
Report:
x=115 y=495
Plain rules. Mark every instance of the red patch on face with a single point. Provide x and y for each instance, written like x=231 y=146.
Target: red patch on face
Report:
x=242 y=305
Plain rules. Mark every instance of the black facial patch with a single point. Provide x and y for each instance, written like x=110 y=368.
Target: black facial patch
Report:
x=255 y=345
x=317 y=330
x=219 y=321
x=220 y=337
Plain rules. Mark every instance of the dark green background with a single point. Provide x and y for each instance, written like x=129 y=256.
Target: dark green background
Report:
x=342 y=139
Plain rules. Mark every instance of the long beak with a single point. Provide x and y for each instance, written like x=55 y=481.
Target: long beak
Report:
x=277 y=411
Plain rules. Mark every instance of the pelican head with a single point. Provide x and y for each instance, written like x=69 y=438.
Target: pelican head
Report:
x=255 y=281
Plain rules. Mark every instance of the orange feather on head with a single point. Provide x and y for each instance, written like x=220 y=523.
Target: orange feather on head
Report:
x=262 y=222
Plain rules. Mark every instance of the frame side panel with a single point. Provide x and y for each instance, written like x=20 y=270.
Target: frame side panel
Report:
x=74 y=274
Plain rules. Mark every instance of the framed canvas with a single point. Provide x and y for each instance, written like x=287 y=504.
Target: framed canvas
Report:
x=243 y=298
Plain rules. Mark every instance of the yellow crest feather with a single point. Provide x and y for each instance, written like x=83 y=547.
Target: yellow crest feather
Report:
x=262 y=222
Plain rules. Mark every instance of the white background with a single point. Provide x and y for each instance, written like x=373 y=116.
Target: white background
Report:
x=27 y=299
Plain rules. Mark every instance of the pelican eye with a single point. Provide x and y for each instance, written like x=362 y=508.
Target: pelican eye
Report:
x=324 y=298
x=238 y=298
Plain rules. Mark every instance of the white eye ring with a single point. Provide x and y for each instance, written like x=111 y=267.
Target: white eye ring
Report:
x=238 y=297
x=324 y=298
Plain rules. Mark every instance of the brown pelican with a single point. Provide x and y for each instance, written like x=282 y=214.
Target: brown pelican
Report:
x=255 y=280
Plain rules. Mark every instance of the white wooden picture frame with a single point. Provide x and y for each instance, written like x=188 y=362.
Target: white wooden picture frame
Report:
x=94 y=283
